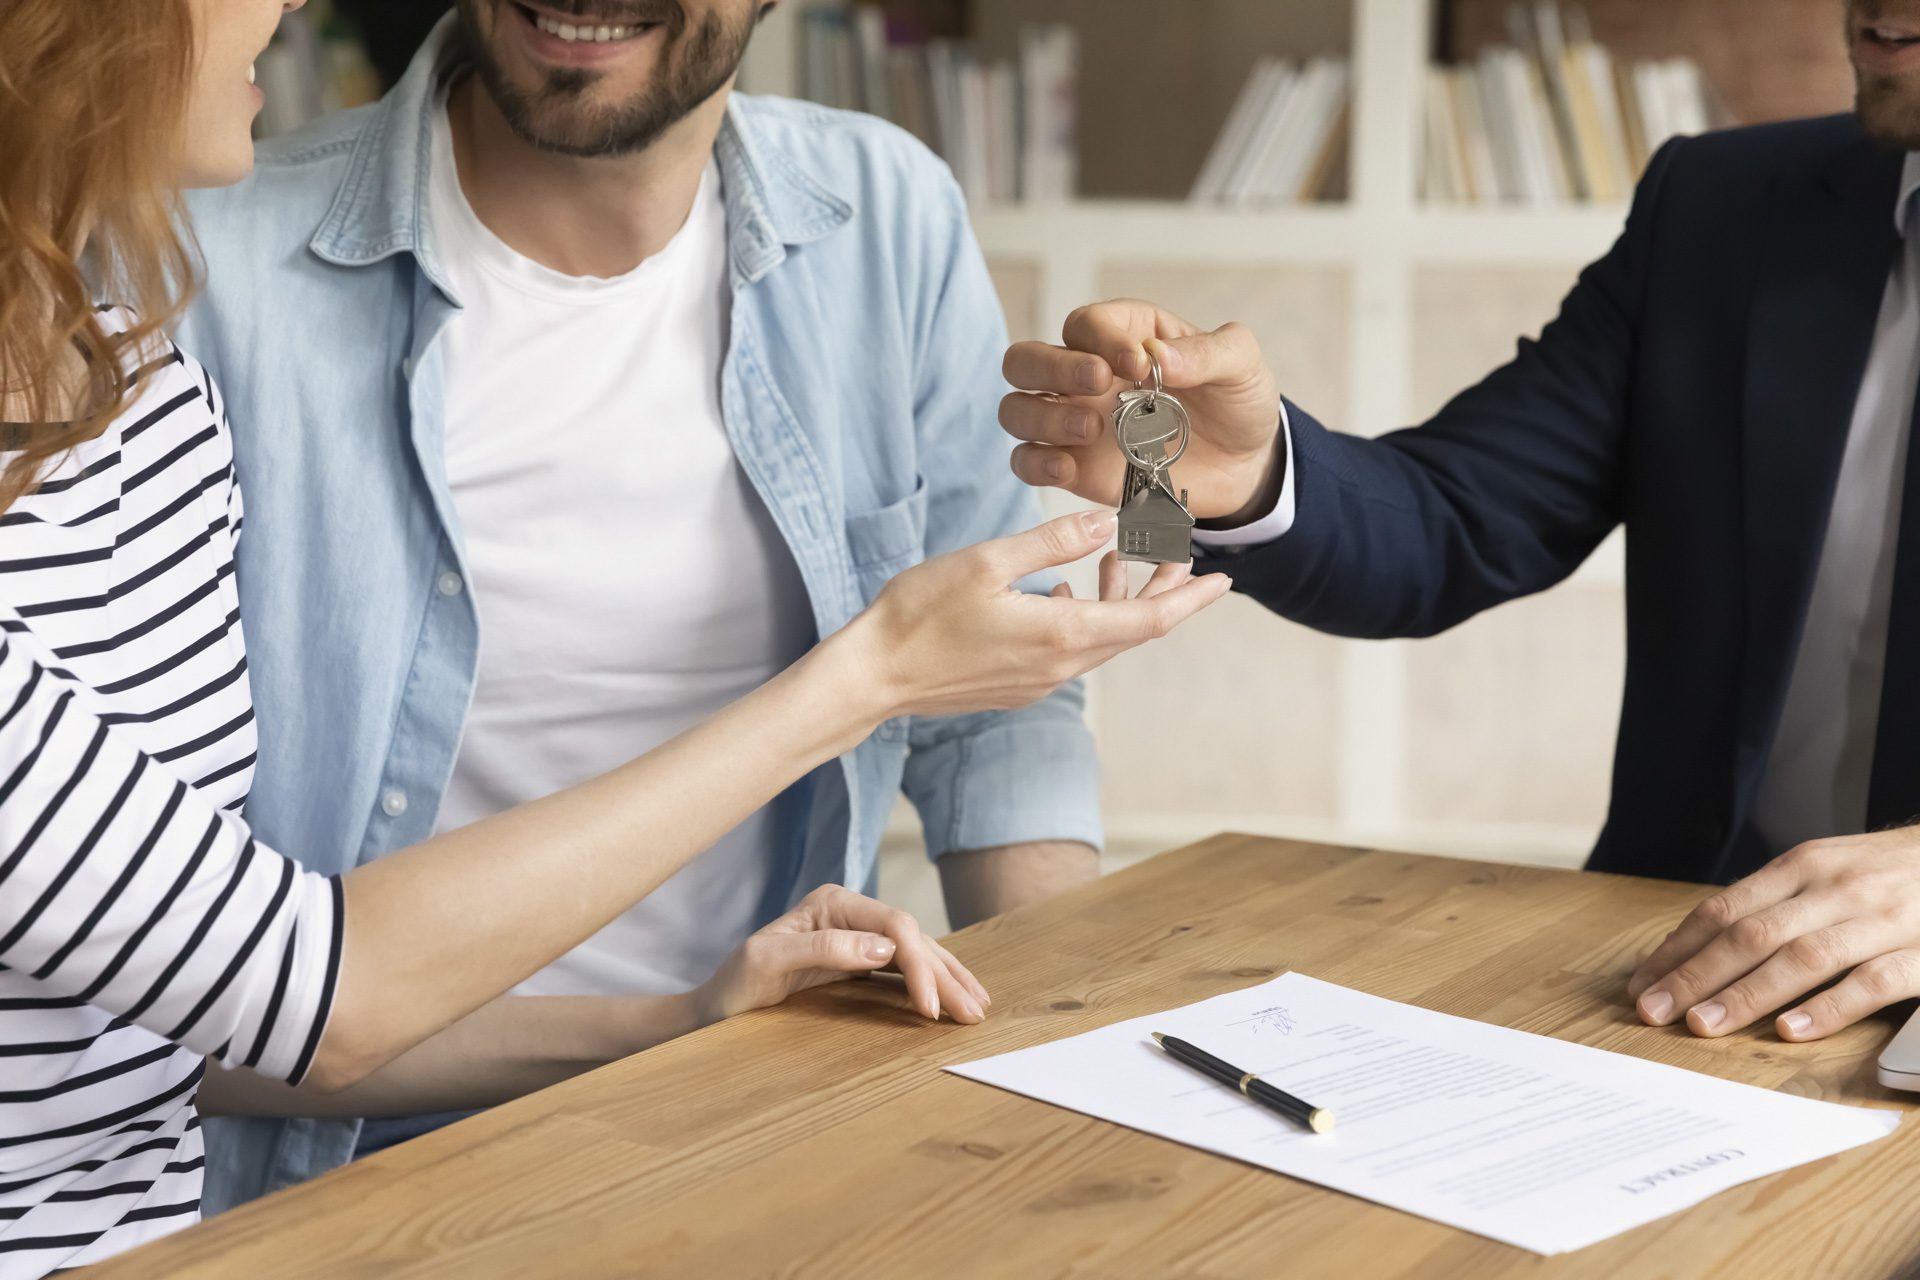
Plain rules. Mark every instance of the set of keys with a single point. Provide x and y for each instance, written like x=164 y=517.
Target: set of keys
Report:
x=1152 y=429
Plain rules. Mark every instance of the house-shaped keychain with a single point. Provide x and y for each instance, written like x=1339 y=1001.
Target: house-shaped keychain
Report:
x=1156 y=527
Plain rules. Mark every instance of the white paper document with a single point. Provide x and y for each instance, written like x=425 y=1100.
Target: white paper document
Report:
x=1533 y=1141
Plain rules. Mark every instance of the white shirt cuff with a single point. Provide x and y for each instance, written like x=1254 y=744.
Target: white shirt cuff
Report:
x=1270 y=526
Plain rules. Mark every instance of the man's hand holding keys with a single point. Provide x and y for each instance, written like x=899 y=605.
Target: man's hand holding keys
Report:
x=1063 y=410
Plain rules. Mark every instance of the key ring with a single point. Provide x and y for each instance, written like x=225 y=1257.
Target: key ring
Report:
x=1153 y=396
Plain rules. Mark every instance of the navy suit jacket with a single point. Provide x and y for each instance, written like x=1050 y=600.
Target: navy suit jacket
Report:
x=1697 y=387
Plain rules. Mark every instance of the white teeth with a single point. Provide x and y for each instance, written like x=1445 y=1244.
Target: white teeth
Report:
x=581 y=34
x=251 y=73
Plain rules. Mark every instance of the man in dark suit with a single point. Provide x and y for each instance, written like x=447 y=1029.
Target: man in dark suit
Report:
x=1735 y=383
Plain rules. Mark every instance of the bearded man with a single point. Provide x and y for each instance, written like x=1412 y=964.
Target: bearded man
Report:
x=577 y=397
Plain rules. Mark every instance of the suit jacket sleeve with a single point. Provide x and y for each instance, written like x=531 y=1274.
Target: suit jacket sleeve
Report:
x=1503 y=494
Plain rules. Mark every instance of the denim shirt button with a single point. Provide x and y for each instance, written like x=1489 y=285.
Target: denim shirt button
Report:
x=394 y=803
x=451 y=584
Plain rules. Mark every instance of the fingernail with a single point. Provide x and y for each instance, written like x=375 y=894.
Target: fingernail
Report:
x=1169 y=359
x=879 y=948
x=1084 y=426
x=1709 y=1015
x=1098 y=523
x=1092 y=377
x=1798 y=1023
x=1055 y=468
x=1657 y=1007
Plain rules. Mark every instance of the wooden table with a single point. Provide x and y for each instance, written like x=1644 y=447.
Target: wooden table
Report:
x=821 y=1138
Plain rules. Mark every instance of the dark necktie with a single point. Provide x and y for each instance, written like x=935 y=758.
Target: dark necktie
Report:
x=1893 y=794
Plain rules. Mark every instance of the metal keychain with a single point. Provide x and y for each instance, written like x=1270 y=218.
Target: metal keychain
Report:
x=1155 y=526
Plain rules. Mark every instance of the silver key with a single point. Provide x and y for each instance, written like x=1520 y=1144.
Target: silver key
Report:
x=1130 y=443
x=1153 y=430
x=1143 y=430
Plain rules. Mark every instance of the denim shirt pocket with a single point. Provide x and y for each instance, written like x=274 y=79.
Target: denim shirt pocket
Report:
x=882 y=544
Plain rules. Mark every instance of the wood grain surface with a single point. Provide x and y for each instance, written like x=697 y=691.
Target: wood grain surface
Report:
x=822 y=1139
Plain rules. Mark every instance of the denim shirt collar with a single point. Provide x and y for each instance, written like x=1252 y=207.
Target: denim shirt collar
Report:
x=381 y=207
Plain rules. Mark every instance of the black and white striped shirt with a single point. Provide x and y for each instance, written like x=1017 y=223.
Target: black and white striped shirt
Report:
x=140 y=925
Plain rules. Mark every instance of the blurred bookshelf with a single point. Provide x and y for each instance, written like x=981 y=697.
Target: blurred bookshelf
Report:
x=1586 y=91
x=1553 y=117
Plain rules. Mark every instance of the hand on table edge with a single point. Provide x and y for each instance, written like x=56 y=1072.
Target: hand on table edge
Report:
x=834 y=934
x=1846 y=908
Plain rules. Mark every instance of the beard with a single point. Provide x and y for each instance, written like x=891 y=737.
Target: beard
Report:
x=557 y=116
x=1889 y=110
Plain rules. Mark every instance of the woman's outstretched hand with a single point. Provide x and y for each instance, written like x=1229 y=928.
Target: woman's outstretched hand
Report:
x=953 y=635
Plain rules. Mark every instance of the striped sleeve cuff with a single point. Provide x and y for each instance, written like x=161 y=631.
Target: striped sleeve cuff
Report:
x=294 y=1017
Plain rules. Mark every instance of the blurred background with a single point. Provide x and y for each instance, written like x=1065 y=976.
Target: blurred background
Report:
x=1389 y=193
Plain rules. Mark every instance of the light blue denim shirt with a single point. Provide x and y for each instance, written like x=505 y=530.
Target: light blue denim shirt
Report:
x=859 y=390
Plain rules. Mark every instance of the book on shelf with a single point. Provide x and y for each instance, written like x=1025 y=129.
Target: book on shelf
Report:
x=1005 y=127
x=1554 y=117
x=1282 y=141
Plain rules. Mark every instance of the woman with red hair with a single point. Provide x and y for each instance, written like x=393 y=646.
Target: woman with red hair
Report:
x=142 y=929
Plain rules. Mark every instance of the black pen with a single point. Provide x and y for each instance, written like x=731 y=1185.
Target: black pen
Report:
x=1318 y=1119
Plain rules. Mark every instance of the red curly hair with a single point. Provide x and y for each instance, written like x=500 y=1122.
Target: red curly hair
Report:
x=93 y=99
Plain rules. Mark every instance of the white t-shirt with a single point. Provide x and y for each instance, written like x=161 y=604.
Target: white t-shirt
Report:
x=629 y=580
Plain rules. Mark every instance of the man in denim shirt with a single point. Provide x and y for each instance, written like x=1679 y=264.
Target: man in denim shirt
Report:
x=574 y=396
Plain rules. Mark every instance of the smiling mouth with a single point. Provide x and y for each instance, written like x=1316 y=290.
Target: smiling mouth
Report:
x=1889 y=37
x=583 y=29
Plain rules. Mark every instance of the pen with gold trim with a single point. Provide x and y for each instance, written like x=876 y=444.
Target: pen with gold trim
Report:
x=1318 y=1119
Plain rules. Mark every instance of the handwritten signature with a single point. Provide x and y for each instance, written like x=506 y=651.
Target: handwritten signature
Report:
x=1277 y=1019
